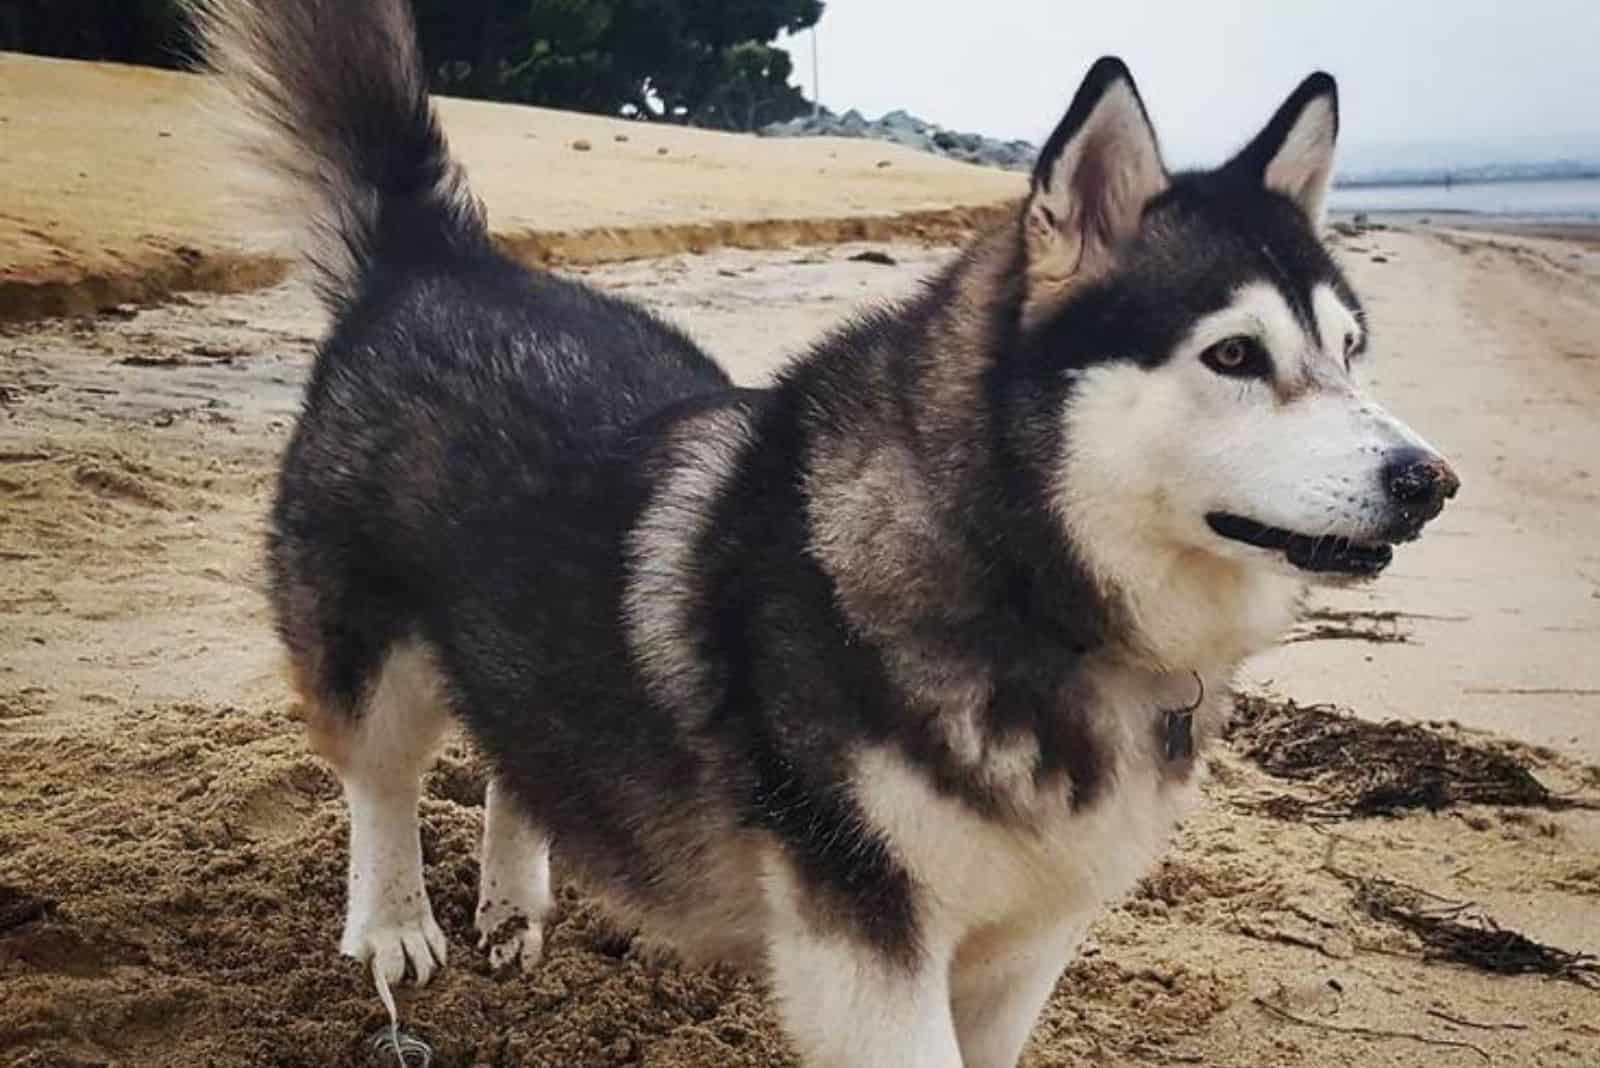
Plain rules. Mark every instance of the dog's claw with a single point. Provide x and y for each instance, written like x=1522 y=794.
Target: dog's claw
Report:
x=509 y=935
x=419 y=946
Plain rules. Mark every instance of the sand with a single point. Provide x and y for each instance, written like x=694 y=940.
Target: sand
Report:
x=114 y=178
x=171 y=858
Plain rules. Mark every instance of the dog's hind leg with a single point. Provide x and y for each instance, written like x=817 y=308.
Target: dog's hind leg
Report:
x=380 y=755
x=514 y=883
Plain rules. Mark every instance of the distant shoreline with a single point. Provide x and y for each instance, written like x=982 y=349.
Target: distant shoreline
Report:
x=1581 y=231
x=1543 y=201
x=1453 y=178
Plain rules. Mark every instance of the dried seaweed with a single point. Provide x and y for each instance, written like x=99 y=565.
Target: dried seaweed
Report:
x=1360 y=769
x=1377 y=627
x=1459 y=932
x=1367 y=1032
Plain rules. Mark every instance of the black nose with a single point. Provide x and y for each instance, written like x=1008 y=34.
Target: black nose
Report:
x=1419 y=482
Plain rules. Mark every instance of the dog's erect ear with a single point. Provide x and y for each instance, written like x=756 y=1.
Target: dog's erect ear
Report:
x=1294 y=154
x=1093 y=179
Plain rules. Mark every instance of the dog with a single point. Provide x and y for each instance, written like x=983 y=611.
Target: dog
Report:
x=882 y=681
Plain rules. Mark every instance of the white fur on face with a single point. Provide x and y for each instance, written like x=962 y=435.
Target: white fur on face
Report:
x=1339 y=329
x=1150 y=452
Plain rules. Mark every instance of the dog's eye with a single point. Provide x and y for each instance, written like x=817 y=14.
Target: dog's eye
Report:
x=1349 y=344
x=1241 y=357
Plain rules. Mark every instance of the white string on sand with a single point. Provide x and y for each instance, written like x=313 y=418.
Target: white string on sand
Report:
x=409 y=1051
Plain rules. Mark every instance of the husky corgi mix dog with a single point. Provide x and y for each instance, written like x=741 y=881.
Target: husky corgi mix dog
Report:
x=884 y=680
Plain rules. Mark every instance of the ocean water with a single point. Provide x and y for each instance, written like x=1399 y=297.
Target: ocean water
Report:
x=1565 y=200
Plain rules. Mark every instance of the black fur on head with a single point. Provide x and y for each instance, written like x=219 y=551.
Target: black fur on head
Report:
x=1254 y=157
x=1196 y=239
x=1091 y=182
x=1108 y=71
x=1293 y=153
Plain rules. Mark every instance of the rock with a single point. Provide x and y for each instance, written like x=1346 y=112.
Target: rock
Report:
x=662 y=151
x=581 y=145
x=1360 y=218
x=620 y=137
x=883 y=259
x=910 y=139
x=882 y=163
x=902 y=128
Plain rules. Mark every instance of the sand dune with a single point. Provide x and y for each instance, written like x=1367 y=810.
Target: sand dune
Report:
x=118 y=186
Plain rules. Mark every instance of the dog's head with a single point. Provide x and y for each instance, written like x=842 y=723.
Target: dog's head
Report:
x=1203 y=352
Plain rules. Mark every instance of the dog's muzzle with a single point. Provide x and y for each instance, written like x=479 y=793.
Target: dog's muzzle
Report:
x=1418 y=483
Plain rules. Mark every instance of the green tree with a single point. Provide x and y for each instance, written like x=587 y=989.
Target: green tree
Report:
x=709 y=62
x=148 y=32
x=749 y=88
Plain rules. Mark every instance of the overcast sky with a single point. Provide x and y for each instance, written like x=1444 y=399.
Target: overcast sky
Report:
x=1452 y=81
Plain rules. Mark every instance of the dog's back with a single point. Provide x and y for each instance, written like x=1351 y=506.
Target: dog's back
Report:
x=453 y=380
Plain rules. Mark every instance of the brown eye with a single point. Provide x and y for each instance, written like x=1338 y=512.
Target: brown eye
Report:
x=1239 y=357
x=1231 y=353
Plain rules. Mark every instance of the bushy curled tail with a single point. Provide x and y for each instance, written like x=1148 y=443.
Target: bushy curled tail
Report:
x=334 y=101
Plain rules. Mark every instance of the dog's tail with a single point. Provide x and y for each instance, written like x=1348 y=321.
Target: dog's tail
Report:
x=335 y=101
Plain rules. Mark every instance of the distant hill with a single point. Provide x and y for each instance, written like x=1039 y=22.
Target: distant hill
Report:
x=1551 y=170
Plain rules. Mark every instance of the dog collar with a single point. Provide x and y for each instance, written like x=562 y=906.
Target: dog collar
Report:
x=1177 y=734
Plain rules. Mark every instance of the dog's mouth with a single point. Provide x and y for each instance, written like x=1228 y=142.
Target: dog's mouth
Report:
x=1325 y=555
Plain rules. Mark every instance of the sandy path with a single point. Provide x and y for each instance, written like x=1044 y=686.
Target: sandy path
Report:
x=1491 y=348
x=170 y=858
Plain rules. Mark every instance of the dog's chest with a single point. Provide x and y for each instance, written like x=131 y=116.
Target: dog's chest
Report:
x=1056 y=862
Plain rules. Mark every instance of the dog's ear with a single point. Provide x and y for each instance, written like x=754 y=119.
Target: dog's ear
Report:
x=1293 y=155
x=1091 y=183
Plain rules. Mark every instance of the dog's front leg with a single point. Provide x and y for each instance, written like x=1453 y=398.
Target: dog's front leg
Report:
x=847 y=1003
x=845 y=1007
x=999 y=984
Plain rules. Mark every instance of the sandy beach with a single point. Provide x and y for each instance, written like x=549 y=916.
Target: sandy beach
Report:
x=115 y=179
x=171 y=858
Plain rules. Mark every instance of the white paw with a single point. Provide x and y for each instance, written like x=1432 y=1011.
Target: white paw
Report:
x=510 y=932
x=390 y=948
